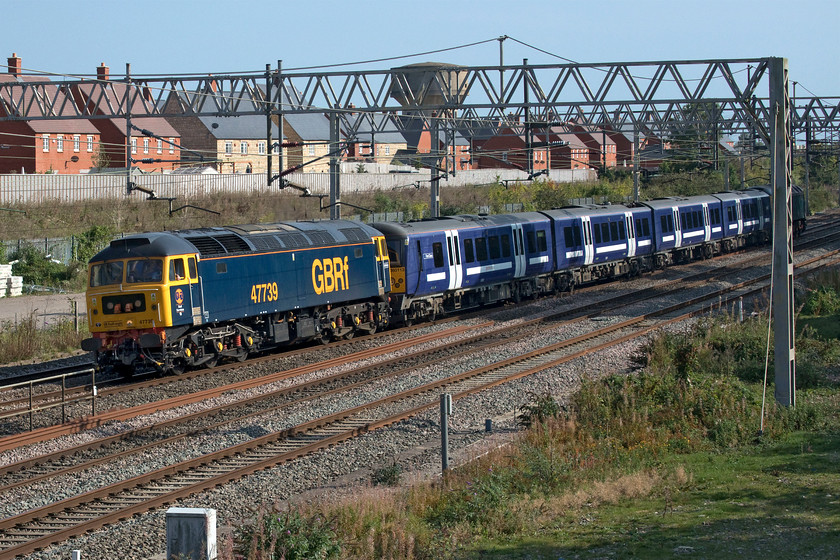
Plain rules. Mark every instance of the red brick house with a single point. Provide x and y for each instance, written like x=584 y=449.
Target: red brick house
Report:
x=163 y=143
x=49 y=145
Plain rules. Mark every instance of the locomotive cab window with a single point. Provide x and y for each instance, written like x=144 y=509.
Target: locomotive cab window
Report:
x=193 y=272
x=177 y=271
x=144 y=270
x=105 y=274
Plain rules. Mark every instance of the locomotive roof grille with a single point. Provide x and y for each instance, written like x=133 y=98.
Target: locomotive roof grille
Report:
x=355 y=234
x=233 y=243
x=292 y=240
x=321 y=237
x=207 y=246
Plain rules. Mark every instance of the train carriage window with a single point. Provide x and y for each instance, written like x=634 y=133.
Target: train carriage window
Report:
x=542 y=243
x=597 y=232
x=495 y=251
x=191 y=263
x=568 y=236
x=670 y=222
x=697 y=219
x=576 y=233
x=730 y=214
x=621 y=231
x=177 y=270
x=682 y=221
x=505 y=245
x=664 y=224
x=532 y=242
x=481 y=249
x=614 y=231
x=646 y=227
x=469 y=255
x=605 y=232
x=437 y=253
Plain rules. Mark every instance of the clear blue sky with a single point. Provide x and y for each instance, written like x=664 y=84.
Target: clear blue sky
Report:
x=212 y=36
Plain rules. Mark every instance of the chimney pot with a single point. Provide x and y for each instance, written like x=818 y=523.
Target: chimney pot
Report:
x=101 y=71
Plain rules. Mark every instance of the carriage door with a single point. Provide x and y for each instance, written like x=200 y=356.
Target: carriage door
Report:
x=588 y=247
x=738 y=217
x=518 y=253
x=631 y=234
x=383 y=272
x=677 y=230
x=707 y=224
x=196 y=292
x=456 y=275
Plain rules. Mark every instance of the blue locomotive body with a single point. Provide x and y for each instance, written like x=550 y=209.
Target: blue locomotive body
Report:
x=228 y=292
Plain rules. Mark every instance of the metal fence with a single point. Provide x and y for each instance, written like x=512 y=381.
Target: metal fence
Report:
x=49 y=188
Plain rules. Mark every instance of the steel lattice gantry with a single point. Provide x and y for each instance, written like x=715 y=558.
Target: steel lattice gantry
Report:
x=661 y=98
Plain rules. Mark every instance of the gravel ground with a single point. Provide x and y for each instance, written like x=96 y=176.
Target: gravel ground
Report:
x=413 y=444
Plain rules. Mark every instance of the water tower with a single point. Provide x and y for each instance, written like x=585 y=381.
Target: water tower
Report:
x=428 y=84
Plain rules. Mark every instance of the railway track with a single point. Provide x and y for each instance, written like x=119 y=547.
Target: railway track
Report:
x=167 y=485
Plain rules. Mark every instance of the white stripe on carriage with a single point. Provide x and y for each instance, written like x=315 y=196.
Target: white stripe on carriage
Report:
x=573 y=254
x=667 y=238
x=538 y=260
x=489 y=268
x=436 y=276
x=610 y=248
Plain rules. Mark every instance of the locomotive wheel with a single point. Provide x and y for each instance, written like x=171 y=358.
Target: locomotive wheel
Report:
x=242 y=355
x=349 y=335
x=177 y=368
x=212 y=362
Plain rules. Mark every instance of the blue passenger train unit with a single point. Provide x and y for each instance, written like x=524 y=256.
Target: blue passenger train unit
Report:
x=174 y=300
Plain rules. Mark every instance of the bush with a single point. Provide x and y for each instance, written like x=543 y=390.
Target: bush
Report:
x=289 y=536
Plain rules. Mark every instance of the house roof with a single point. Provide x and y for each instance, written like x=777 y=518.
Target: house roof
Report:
x=250 y=127
x=63 y=103
x=114 y=94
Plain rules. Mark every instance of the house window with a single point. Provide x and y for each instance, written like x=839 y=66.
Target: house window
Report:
x=89 y=143
x=134 y=145
x=229 y=148
x=243 y=148
x=45 y=142
x=261 y=148
x=387 y=150
x=311 y=149
x=59 y=143
x=160 y=146
x=77 y=142
x=145 y=145
x=171 y=145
